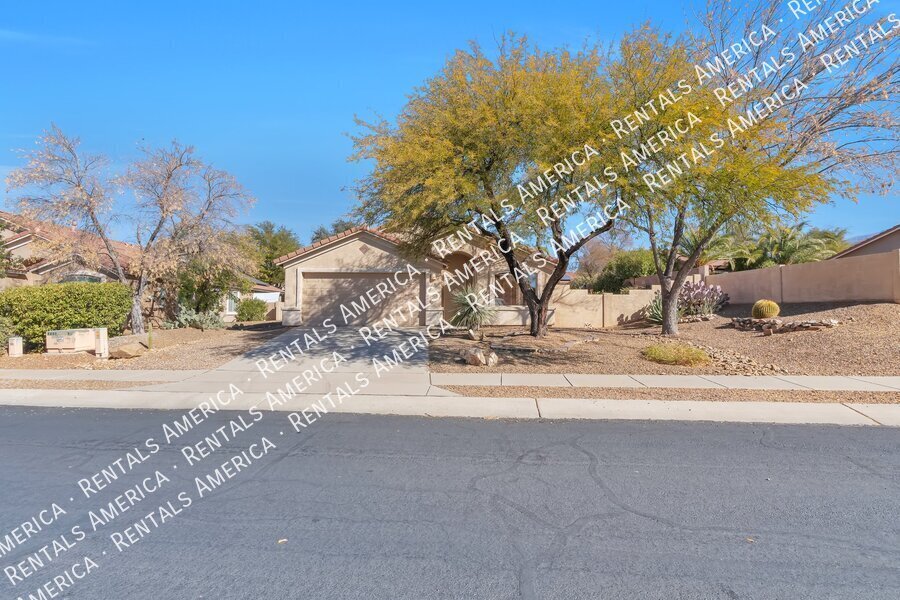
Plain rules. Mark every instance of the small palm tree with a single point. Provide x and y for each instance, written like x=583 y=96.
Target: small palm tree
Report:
x=469 y=315
x=721 y=247
x=792 y=245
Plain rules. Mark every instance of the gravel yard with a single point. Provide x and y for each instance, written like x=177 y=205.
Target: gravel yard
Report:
x=175 y=349
x=712 y=395
x=62 y=384
x=866 y=343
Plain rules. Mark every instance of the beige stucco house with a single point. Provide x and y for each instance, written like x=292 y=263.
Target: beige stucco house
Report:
x=24 y=239
x=342 y=269
x=885 y=241
x=338 y=278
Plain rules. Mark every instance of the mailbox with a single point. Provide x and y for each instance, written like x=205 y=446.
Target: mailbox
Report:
x=63 y=341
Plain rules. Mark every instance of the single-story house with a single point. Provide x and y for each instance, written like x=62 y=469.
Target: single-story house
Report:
x=259 y=290
x=885 y=241
x=339 y=271
x=360 y=277
x=22 y=237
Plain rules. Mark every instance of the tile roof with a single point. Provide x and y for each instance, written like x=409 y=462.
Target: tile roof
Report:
x=867 y=241
x=55 y=233
x=338 y=236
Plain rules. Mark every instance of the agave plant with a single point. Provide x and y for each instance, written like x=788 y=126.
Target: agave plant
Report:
x=469 y=315
x=654 y=310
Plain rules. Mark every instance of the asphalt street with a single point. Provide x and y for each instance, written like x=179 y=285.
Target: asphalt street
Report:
x=414 y=508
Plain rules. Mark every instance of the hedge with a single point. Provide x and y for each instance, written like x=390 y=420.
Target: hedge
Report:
x=252 y=309
x=35 y=310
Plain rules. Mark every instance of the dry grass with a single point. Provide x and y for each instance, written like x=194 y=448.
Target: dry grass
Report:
x=174 y=349
x=675 y=354
x=869 y=344
x=705 y=394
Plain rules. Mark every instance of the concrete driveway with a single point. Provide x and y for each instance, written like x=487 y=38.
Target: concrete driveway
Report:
x=409 y=377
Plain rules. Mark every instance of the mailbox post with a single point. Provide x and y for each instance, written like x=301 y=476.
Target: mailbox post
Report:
x=15 y=346
x=101 y=338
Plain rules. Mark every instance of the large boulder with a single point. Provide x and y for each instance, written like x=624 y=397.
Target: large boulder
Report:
x=128 y=351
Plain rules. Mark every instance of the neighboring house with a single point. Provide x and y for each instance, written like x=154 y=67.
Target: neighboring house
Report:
x=23 y=239
x=887 y=240
x=260 y=290
x=345 y=269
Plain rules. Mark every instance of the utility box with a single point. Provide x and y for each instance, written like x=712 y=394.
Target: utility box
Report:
x=15 y=346
x=65 y=341
x=101 y=342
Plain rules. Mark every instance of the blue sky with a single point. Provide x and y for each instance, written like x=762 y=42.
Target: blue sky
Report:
x=268 y=90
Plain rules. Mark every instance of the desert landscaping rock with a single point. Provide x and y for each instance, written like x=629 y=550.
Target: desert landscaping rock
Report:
x=867 y=343
x=128 y=351
x=770 y=326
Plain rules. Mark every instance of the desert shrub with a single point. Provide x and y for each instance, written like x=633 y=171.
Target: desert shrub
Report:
x=765 y=309
x=701 y=299
x=188 y=317
x=675 y=354
x=623 y=266
x=251 y=309
x=7 y=330
x=35 y=310
x=468 y=315
x=654 y=311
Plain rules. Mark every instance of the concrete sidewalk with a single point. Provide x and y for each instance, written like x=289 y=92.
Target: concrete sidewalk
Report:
x=419 y=383
x=510 y=408
x=731 y=382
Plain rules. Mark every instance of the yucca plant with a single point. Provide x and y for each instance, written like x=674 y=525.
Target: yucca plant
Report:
x=469 y=315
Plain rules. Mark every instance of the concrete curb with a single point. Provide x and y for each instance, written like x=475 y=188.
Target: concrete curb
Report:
x=487 y=408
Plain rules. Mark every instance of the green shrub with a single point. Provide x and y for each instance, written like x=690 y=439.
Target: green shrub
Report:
x=252 y=309
x=188 y=317
x=675 y=354
x=35 y=310
x=624 y=265
x=471 y=316
x=7 y=330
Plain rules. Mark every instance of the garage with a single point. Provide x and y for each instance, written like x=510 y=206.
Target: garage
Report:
x=324 y=293
x=351 y=267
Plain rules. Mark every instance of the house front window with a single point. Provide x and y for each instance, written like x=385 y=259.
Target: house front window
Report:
x=231 y=302
x=507 y=293
x=80 y=279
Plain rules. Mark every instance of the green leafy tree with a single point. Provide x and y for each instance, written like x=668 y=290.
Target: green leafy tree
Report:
x=337 y=226
x=623 y=266
x=272 y=241
x=778 y=166
x=474 y=132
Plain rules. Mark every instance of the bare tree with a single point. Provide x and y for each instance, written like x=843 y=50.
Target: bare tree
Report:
x=183 y=210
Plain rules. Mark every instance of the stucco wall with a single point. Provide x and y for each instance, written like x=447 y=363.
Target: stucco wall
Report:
x=871 y=277
x=578 y=308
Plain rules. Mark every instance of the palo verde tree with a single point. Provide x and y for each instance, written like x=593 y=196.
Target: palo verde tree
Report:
x=761 y=148
x=180 y=210
x=503 y=147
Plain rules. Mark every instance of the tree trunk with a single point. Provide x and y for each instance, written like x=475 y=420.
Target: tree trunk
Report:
x=670 y=312
x=137 y=315
x=539 y=316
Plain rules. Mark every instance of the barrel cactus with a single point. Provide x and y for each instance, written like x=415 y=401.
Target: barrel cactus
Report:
x=765 y=309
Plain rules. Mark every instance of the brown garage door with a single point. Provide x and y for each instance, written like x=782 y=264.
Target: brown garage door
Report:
x=323 y=294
